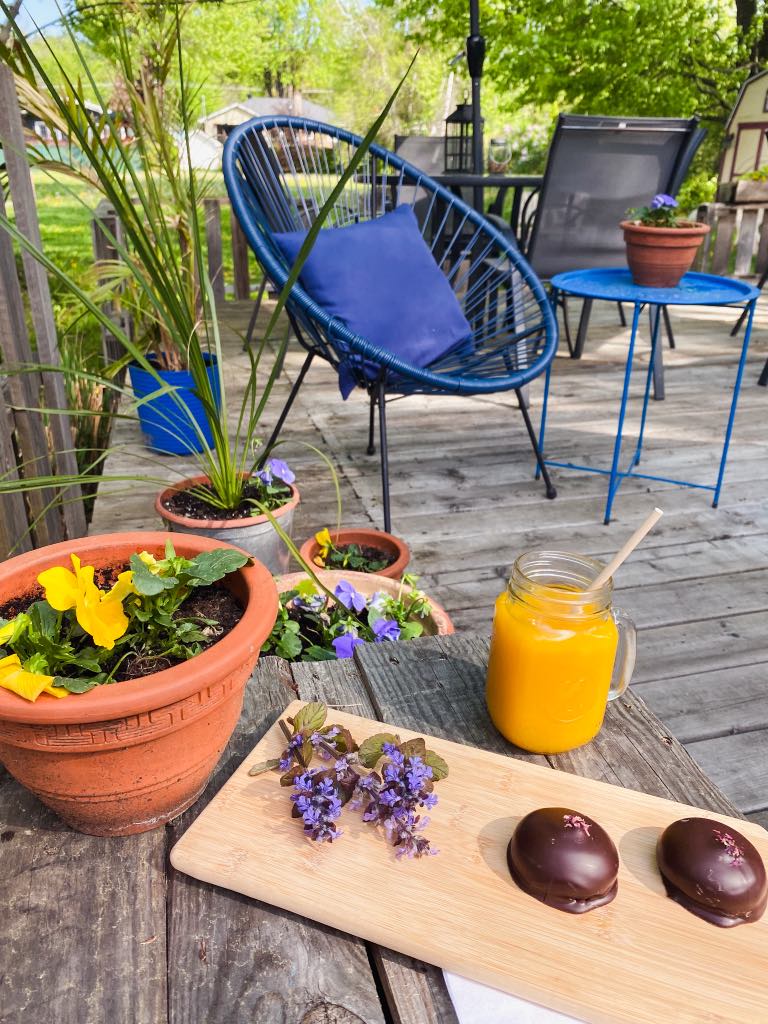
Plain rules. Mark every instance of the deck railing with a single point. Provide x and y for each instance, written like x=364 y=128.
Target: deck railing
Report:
x=737 y=244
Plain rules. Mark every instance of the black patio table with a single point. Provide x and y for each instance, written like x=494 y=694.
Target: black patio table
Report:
x=519 y=183
x=104 y=931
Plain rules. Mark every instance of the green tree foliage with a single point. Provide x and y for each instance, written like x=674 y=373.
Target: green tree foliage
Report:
x=634 y=57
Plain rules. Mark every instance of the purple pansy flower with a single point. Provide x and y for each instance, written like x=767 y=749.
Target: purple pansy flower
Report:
x=349 y=597
x=345 y=644
x=662 y=199
x=385 y=629
x=276 y=468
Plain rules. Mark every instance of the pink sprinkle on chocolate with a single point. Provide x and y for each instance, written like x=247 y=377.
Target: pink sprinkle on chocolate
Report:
x=730 y=845
x=576 y=821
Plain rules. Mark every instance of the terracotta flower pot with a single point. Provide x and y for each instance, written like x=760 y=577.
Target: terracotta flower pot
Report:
x=129 y=756
x=438 y=623
x=658 y=257
x=255 y=535
x=387 y=543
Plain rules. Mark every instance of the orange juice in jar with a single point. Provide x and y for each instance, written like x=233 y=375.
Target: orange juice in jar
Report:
x=559 y=652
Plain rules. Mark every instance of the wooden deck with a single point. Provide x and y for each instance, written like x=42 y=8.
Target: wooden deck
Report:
x=464 y=498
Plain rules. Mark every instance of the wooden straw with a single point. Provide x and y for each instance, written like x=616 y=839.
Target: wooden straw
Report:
x=623 y=553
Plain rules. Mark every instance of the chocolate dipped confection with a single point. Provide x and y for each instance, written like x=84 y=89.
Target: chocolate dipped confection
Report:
x=564 y=859
x=713 y=871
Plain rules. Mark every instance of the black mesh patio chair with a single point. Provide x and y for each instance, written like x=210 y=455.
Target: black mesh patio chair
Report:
x=279 y=171
x=597 y=169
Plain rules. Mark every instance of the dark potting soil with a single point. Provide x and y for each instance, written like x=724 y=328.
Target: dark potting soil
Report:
x=182 y=503
x=370 y=554
x=214 y=602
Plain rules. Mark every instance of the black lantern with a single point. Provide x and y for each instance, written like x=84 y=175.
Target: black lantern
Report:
x=458 y=140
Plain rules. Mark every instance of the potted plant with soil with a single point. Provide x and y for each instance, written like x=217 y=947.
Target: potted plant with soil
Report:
x=361 y=549
x=123 y=661
x=326 y=615
x=660 y=247
x=166 y=271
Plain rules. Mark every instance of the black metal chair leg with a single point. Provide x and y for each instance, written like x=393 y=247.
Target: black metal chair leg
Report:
x=287 y=407
x=581 y=334
x=763 y=379
x=381 y=398
x=739 y=323
x=550 y=489
x=622 y=318
x=254 y=314
x=668 y=326
x=563 y=300
x=371 y=449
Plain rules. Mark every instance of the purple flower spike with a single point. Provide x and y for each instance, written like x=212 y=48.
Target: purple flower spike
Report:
x=346 y=594
x=661 y=200
x=345 y=644
x=276 y=468
x=385 y=629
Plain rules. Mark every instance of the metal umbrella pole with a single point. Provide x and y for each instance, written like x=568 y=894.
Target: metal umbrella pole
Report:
x=475 y=58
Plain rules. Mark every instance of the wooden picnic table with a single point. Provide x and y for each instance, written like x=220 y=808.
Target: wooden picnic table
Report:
x=104 y=931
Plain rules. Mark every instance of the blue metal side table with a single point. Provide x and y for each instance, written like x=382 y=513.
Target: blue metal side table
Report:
x=616 y=285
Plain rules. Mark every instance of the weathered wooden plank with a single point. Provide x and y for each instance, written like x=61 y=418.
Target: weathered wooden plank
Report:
x=240 y=254
x=745 y=243
x=721 y=249
x=709 y=704
x=13 y=521
x=231 y=958
x=23 y=391
x=82 y=935
x=104 y=226
x=738 y=765
x=762 y=246
x=41 y=307
x=415 y=992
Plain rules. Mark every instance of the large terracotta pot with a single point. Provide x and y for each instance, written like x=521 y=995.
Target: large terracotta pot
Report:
x=436 y=624
x=129 y=756
x=255 y=535
x=658 y=257
x=365 y=537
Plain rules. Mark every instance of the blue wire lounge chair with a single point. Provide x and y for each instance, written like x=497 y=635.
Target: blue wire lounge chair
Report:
x=279 y=171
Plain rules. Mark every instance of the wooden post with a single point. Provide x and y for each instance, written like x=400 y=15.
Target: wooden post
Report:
x=745 y=242
x=721 y=248
x=212 y=209
x=240 y=260
x=104 y=226
x=25 y=210
x=15 y=537
x=24 y=393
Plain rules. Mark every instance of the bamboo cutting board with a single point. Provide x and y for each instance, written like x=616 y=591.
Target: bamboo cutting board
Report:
x=642 y=958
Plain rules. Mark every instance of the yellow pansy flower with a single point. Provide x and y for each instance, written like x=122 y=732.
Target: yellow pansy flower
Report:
x=6 y=631
x=323 y=538
x=29 y=685
x=150 y=561
x=98 y=613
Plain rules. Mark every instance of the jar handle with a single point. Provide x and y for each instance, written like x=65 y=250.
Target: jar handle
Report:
x=625 y=653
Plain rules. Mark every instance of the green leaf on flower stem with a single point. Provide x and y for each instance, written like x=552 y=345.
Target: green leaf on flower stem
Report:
x=315 y=653
x=343 y=740
x=211 y=566
x=264 y=766
x=413 y=747
x=43 y=619
x=288 y=646
x=170 y=551
x=76 y=685
x=290 y=776
x=148 y=583
x=370 y=750
x=408 y=630
x=310 y=718
x=437 y=764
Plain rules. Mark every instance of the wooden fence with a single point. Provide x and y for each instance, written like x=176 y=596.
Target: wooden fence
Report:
x=737 y=244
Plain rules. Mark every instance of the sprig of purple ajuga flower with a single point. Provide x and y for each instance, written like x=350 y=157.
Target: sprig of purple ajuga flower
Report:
x=390 y=797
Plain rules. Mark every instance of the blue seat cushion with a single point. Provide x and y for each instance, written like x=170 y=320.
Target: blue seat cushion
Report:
x=381 y=281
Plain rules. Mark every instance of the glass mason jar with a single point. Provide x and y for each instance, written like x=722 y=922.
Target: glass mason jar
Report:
x=499 y=155
x=559 y=652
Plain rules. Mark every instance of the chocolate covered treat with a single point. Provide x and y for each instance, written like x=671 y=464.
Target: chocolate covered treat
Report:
x=713 y=871
x=564 y=859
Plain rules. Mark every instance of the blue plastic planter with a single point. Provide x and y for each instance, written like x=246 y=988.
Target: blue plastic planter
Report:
x=166 y=427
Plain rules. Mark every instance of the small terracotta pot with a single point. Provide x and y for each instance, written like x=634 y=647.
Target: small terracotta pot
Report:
x=659 y=257
x=255 y=535
x=129 y=756
x=387 y=543
x=438 y=623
